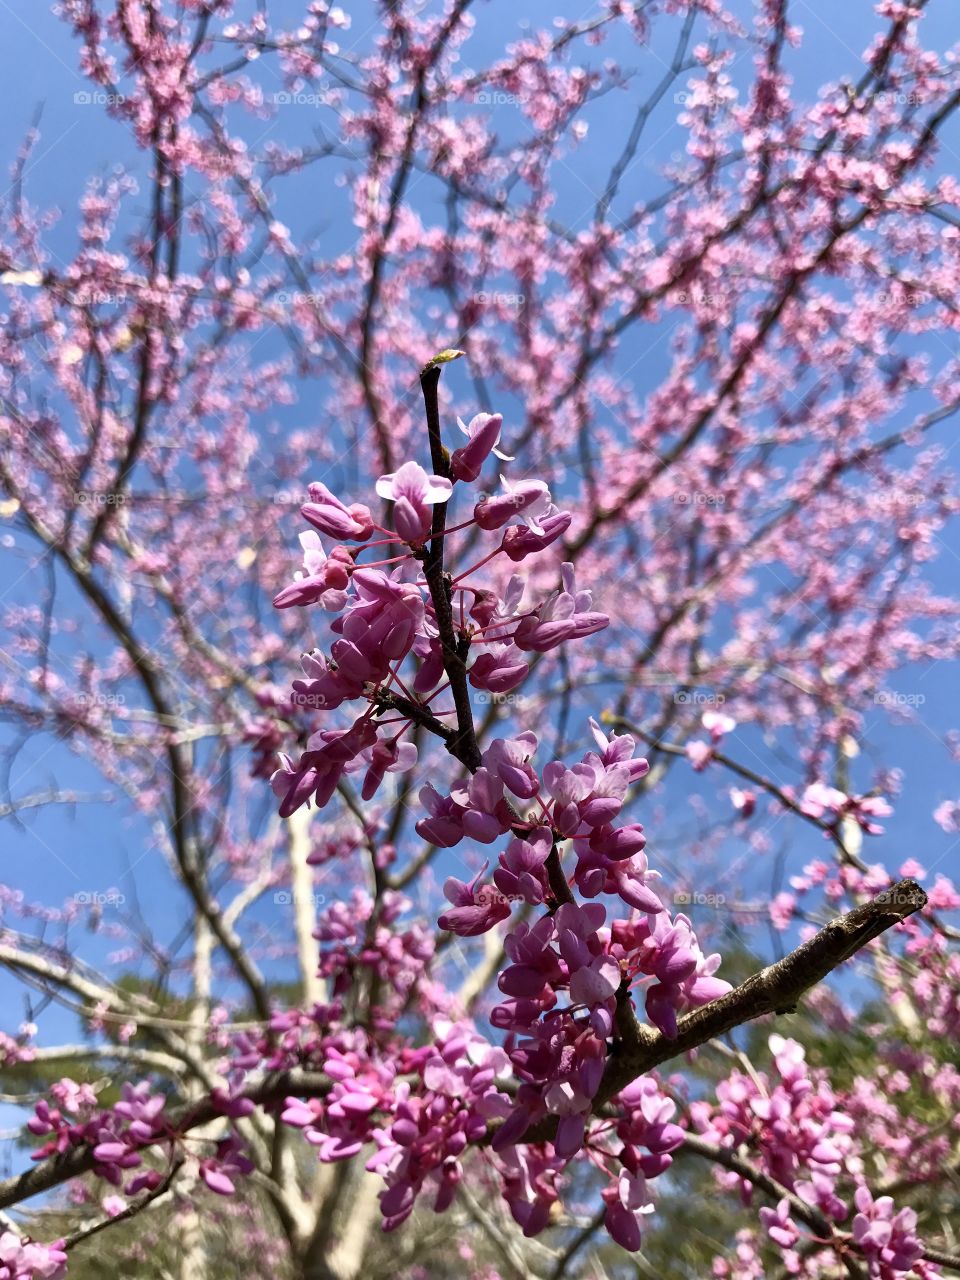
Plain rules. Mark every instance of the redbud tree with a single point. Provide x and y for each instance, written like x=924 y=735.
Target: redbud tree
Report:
x=481 y=614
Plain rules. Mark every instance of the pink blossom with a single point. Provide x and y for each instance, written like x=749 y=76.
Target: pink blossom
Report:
x=328 y=514
x=413 y=492
x=523 y=499
x=474 y=910
x=781 y=910
x=780 y=1226
x=387 y=755
x=521 y=872
x=887 y=1237
x=699 y=754
x=484 y=436
x=565 y=615
x=820 y=800
x=628 y=1202
x=499 y=668
x=947 y=815
x=520 y=541
x=717 y=724
x=745 y=802
x=509 y=759
x=220 y=1171
x=323 y=580
x=670 y=952
x=26 y=1260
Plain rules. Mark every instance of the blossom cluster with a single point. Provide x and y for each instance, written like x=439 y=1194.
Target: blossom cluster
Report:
x=26 y=1259
x=569 y=977
x=386 y=612
x=425 y=1108
x=117 y=1136
x=579 y=804
x=801 y=1134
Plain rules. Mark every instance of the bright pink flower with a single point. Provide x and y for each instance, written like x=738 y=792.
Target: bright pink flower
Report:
x=474 y=910
x=324 y=580
x=781 y=910
x=520 y=541
x=484 y=433
x=499 y=668
x=867 y=808
x=27 y=1260
x=328 y=514
x=630 y=877
x=647 y=1121
x=535 y=965
x=413 y=492
x=443 y=825
x=820 y=800
x=887 y=1238
x=565 y=615
x=717 y=724
x=509 y=759
x=521 y=871
x=745 y=802
x=220 y=1171
x=387 y=755
x=628 y=1202
x=947 y=815
x=699 y=754
x=671 y=953
x=781 y=1228
x=523 y=499
x=321 y=766
x=485 y=814
x=830 y=805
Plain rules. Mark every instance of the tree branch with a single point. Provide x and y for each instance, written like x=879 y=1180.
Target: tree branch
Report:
x=775 y=989
x=53 y=1171
x=463 y=743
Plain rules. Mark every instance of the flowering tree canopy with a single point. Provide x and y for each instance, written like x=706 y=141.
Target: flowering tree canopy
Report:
x=482 y=614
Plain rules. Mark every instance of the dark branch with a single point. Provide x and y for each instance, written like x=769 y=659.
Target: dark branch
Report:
x=50 y=1173
x=463 y=743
